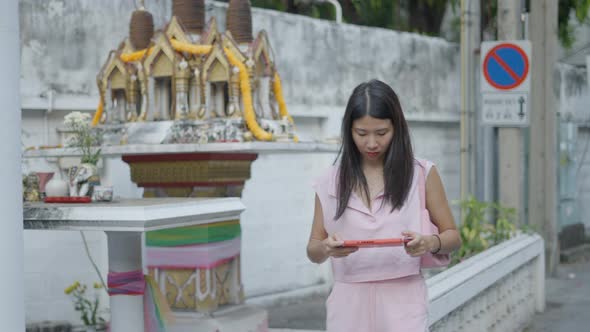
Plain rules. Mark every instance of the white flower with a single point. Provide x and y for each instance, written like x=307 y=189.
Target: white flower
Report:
x=83 y=136
x=77 y=120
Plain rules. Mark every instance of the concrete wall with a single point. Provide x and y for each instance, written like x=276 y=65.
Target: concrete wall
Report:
x=65 y=42
x=583 y=174
x=573 y=91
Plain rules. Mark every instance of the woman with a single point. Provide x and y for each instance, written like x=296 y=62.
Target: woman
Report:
x=375 y=192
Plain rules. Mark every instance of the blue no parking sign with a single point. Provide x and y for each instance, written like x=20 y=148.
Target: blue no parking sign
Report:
x=505 y=66
x=505 y=83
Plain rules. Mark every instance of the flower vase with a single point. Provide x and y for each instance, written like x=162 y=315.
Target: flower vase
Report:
x=82 y=179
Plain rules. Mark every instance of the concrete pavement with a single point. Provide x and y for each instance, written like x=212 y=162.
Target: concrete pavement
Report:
x=567 y=300
x=307 y=313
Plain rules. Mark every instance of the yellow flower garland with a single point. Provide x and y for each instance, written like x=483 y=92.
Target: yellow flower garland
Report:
x=190 y=48
x=249 y=114
x=131 y=57
x=98 y=113
x=278 y=91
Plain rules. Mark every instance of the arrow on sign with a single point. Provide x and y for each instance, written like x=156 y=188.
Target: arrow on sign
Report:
x=521 y=102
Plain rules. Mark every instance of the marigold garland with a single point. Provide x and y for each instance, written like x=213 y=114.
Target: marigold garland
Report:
x=98 y=113
x=131 y=57
x=278 y=91
x=190 y=48
x=249 y=114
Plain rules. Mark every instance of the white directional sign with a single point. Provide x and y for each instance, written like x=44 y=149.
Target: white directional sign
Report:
x=505 y=83
x=505 y=109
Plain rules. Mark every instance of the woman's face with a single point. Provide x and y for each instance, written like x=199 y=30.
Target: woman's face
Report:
x=372 y=137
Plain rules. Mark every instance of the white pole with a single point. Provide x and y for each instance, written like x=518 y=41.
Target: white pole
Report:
x=12 y=317
x=125 y=256
x=338 y=9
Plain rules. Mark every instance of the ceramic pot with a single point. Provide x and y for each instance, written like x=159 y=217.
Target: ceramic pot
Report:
x=56 y=187
x=44 y=177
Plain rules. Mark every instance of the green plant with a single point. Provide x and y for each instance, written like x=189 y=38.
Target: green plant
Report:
x=88 y=307
x=485 y=224
x=84 y=137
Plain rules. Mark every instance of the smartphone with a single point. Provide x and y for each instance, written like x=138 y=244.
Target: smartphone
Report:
x=372 y=243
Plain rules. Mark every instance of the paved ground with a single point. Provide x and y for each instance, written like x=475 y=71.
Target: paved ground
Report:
x=567 y=308
x=308 y=314
x=568 y=300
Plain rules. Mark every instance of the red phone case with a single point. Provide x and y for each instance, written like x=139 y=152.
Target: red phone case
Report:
x=392 y=242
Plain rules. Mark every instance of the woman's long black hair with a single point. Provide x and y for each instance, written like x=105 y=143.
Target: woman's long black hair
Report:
x=378 y=100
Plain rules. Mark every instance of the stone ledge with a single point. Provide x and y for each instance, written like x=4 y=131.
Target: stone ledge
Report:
x=142 y=149
x=456 y=286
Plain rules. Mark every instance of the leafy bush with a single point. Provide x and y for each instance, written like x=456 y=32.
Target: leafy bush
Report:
x=485 y=224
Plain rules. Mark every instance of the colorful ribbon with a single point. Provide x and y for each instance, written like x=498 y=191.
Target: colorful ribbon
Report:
x=199 y=256
x=156 y=311
x=126 y=283
x=196 y=234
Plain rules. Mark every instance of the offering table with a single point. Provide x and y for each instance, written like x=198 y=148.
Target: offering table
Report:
x=125 y=223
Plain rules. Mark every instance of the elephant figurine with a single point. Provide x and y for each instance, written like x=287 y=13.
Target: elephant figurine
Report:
x=83 y=178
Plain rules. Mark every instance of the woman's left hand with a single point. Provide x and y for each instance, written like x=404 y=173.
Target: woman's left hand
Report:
x=419 y=245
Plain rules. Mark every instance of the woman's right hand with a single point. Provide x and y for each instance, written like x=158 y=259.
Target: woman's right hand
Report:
x=333 y=247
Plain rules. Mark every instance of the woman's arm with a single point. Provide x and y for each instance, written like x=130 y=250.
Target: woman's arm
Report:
x=441 y=215
x=320 y=245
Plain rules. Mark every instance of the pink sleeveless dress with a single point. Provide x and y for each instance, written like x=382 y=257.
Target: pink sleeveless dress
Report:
x=375 y=289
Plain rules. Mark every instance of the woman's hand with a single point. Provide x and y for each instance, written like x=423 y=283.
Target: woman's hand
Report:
x=420 y=244
x=333 y=247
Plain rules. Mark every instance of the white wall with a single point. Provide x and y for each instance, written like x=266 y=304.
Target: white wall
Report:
x=53 y=261
x=574 y=99
x=583 y=174
x=276 y=224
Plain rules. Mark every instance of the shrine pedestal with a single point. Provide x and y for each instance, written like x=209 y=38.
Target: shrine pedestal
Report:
x=197 y=268
x=125 y=223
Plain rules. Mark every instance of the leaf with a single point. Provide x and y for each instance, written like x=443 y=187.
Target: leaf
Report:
x=581 y=8
x=472 y=234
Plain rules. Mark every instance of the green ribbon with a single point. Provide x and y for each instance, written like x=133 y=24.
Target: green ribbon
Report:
x=197 y=234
